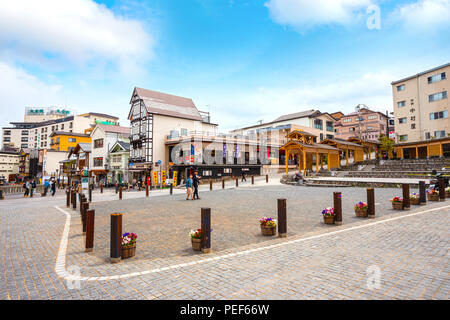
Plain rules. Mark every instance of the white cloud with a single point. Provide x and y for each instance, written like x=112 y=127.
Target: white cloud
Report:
x=19 y=89
x=423 y=15
x=77 y=31
x=240 y=109
x=307 y=13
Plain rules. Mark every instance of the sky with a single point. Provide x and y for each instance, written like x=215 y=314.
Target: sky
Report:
x=242 y=60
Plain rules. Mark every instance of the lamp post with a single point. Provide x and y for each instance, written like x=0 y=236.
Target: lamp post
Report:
x=358 y=109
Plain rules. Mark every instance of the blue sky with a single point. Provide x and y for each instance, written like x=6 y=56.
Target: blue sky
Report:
x=242 y=60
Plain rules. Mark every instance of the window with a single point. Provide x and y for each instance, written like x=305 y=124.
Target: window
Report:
x=330 y=126
x=6 y=139
x=72 y=140
x=98 y=162
x=436 y=77
x=70 y=125
x=184 y=132
x=330 y=136
x=7 y=132
x=439 y=134
x=437 y=96
x=227 y=170
x=207 y=173
x=413 y=125
x=318 y=124
x=24 y=132
x=62 y=126
x=402 y=120
x=98 y=143
x=369 y=128
x=321 y=137
x=24 y=139
x=401 y=104
x=401 y=87
x=372 y=117
x=360 y=119
x=347 y=120
x=403 y=137
x=351 y=129
x=439 y=115
x=427 y=135
x=24 y=145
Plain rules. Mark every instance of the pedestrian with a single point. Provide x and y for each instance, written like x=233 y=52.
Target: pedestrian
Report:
x=26 y=186
x=53 y=188
x=195 y=183
x=189 y=188
x=33 y=187
x=243 y=176
x=46 y=186
x=79 y=191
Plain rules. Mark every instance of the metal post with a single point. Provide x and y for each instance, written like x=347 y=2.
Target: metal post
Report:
x=90 y=218
x=406 y=200
x=237 y=182
x=85 y=206
x=371 y=203
x=422 y=192
x=337 y=200
x=101 y=187
x=223 y=183
x=267 y=178
x=120 y=193
x=441 y=185
x=146 y=190
x=67 y=198
x=1 y=194
x=210 y=185
x=90 y=193
x=206 y=230
x=74 y=200
x=253 y=180
x=171 y=189
x=282 y=223
x=116 y=237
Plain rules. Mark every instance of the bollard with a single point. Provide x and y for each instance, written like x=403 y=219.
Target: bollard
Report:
x=422 y=192
x=210 y=185
x=101 y=187
x=31 y=192
x=206 y=230
x=267 y=178
x=371 y=203
x=116 y=237
x=146 y=190
x=406 y=200
x=85 y=206
x=82 y=200
x=90 y=218
x=441 y=186
x=171 y=189
x=1 y=194
x=74 y=201
x=223 y=183
x=337 y=201
x=120 y=193
x=253 y=179
x=67 y=198
x=282 y=223
x=90 y=193
x=237 y=182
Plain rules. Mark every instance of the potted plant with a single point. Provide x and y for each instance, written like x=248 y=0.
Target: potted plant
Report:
x=397 y=203
x=328 y=215
x=361 y=209
x=447 y=192
x=414 y=199
x=196 y=239
x=268 y=226
x=432 y=195
x=128 y=245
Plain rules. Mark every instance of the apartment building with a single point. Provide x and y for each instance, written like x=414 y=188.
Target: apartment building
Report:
x=66 y=141
x=365 y=124
x=421 y=105
x=9 y=165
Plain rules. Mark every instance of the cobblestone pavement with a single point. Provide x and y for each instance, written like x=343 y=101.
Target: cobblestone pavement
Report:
x=408 y=249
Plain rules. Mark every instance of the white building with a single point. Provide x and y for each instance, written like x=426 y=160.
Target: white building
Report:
x=9 y=164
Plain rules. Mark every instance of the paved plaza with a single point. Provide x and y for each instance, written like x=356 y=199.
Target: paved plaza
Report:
x=397 y=255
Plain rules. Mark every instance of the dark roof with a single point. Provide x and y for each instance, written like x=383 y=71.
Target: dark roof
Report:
x=297 y=115
x=125 y=145
x=63 y=133
x=168 y=105
x=420 y=74
x=100 y=115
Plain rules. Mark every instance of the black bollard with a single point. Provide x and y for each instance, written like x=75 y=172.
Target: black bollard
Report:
x=253 y=179
x=101 y=187
x=67 y=198
x=206 y=230
x=90 y=218
x=116 y=237
x=210 y=185
x=406 y=200
x=267 y=178
x=85 y=206
x=171 y=189
x=223 y=183
x=237 y=182
x=1 y=194
x=441 y=186
x=371 y=203
x=282 y=222
x=422 y=192
x=337 y=200
x=146 y=190
x=120 y=193
x=90 y=193
x=74 y=201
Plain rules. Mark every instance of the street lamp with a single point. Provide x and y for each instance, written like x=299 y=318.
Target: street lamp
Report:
x=358 y=109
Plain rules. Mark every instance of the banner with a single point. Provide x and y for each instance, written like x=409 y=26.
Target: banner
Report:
x=175 y=174
x=164 y=178
x=155 y=178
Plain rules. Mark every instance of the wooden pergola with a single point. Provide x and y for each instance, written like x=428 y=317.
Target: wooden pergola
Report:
x=422 y=149
x=368 y=146
x=344 y=145
x=302 y=143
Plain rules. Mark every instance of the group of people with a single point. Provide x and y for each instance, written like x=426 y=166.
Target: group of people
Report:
x=192 y=186
x=30 y=185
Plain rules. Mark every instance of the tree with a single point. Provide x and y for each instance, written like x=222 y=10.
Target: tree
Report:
x=387 y=144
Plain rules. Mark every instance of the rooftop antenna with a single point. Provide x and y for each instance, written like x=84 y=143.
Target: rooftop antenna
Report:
x=260 y=121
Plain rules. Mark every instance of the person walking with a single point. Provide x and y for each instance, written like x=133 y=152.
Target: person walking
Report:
x=26 y=186
x=195 y=183
x=243 y=176
x=79 y=191
x=189 y=188
x=33 y=187
x=46 y=186
x=53 y=188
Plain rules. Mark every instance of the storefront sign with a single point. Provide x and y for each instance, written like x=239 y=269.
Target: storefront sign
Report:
x=175 y=176
x=164 y=178
x=155 y=177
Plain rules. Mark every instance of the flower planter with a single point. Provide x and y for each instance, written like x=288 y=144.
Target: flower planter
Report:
x=433 y=197
x=327 y=219
x=268 y=231
x=447 y=194
x=196 y=244
x=414 y=201
x=397 y=205
x=361 y=213
x=128 y=251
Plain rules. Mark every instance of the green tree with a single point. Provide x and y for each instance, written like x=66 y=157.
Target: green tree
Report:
x=387 y=145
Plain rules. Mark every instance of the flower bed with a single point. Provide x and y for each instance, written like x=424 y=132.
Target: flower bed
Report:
x=268 y=226
x=328 y=215
x=128 y=245
x=361 y=209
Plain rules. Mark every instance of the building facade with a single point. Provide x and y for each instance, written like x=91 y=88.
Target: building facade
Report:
x=366 y=125
x=421 y=105
x=66 y=141
x=9 y=165
x=118 y=159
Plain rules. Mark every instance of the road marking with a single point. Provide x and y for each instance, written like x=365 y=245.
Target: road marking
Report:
x=61 y=258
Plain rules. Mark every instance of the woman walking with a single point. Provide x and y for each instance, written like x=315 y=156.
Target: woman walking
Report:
x=189 y=188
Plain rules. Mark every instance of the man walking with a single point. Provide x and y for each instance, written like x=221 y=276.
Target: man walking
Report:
x=53 y=188
x=26 y=186
x=243 y=176
x=195 y=182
